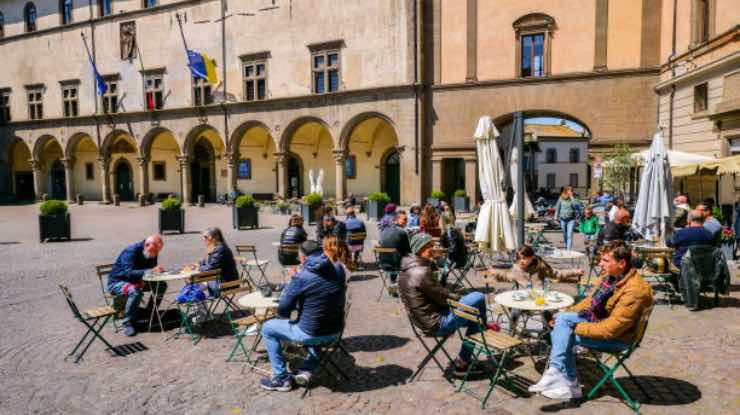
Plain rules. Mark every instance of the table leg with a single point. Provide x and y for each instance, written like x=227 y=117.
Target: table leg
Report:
x=154 y=290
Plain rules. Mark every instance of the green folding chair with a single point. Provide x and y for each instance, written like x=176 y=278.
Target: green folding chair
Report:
x=118 y=302
x=486 y=342
x=240 y=327
x=92 y=320
x=186 y=326
x=620 y=358
x=384 y=257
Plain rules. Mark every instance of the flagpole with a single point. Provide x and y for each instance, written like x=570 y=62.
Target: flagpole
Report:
x=182 y=35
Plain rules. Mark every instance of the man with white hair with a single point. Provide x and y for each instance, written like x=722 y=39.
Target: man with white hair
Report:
x=126 y=277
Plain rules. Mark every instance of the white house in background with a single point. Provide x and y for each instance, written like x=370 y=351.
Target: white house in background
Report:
x=561 y=157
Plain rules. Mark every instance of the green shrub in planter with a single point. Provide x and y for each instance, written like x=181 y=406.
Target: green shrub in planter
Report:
x=435 y=197
x=171 y=216
x=310 y=207
x=283 y=207
x=54 y=222
x=460 y=201
x=376 y=202
x=245 y=212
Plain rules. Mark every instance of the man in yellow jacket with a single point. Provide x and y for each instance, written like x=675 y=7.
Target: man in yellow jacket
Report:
x=605 y=320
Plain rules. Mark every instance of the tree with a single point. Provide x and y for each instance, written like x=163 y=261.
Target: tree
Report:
x=616 y=169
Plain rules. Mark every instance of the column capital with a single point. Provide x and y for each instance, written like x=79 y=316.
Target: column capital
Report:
x=228 y=158
x=339 y=156
x=68 y=162
x=35 y=165
x=280 y=157
x=183 y=159
x=142 y=161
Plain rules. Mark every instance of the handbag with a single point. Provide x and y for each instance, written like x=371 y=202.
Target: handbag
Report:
x=191 y=293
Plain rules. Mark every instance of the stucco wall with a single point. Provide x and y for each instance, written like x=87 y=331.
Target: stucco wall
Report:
x=624 y=34
x=86 y=152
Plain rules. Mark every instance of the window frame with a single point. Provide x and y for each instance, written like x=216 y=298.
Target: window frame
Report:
x=248 y=163
x=35 y=106
x=554 y=180
x=554 y=158
x=703 y=18
x=30 y=26
x=157 y=92
x=577 y=152
x=89 y=171
x=325 y=69
x=148 y=4
x=64 y=18
x=205 y=92
x=2 y=25
x=102 y=8
x=350 y=160
x=163 y=165
x=701 y=100
x=108 y=96
x=254 y=60
x=74 y=102
x=571 y=182
x=530 y=25
x=5 y=107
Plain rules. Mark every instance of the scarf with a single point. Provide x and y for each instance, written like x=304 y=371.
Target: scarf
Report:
x=597 y=311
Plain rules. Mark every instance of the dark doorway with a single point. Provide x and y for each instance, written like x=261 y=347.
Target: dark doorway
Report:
x=24 y=185
x=124 y=182
x=453 y=176
x=294 y=177
x=58 y=183
x=202 y=170
x=392 y=184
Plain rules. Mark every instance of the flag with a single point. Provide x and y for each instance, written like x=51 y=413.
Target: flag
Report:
x=99 y=81
x=202 y=67
x=150 y=101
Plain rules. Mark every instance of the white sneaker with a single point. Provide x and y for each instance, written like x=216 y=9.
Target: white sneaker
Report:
x=251 y=330
x=303 y=378
x=564 y=389
x=550 y=376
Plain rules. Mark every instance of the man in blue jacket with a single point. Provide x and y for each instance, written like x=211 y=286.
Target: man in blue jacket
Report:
x=126 y=277
x=317 y=293
x=354 y=226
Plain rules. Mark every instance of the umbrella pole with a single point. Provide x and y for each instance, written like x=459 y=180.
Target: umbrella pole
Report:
x=519 y=138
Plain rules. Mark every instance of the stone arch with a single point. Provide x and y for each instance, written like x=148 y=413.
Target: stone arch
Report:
x=355 y=121
x=294 y=125
x=255 y=169
x=149 y=138
x=507 y=118
x=82 y=151
x=367 y=140
x=199 y=131
x=159 y=165
x=311 y=141
x=239 y=132
x=73 y=141
x=114 y=137
x=20 y=169
x=42 y=142
x=205 y=167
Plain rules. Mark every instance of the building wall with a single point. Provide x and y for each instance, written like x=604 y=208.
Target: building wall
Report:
x=563 y=168
x=86 y=152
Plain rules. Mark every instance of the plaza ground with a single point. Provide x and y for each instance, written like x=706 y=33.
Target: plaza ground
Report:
x=688 y=361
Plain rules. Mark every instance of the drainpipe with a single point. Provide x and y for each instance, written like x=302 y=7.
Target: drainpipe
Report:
x=416 y=89
x=672 y=97
x=230 y=164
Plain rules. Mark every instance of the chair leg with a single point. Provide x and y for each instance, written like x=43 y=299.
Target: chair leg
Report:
x=95 y=330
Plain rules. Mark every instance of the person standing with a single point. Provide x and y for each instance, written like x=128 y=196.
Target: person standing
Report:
x=589 y=225
x=565 y=212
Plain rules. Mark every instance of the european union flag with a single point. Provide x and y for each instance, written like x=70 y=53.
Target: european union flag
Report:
x=99 y=81
x=202 y=67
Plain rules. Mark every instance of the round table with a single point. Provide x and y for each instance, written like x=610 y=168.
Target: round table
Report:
x=154 y=279
x=257 y=300
x=506 y=299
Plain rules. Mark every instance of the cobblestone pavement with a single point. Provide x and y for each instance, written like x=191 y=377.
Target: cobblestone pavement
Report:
x=689 y=362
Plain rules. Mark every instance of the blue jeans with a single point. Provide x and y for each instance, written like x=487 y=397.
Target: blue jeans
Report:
x=273 y=331
x=134 y=296
x=567 y=225
x=563 y=340
x=450 y=322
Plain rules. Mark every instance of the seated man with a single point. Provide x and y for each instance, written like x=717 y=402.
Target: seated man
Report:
x=681 y=203
x=317 y=293
x=694 y=234
x=710 y=222
x=617 y=230
x=331 y=227
x=354 y=226
x=126 y=277
x=394 y=236
x=426 y=299
x=605 y=320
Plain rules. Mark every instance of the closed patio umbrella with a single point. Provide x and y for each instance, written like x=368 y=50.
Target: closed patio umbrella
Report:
x=514 y=169
x=494 y=230
x=654 y=202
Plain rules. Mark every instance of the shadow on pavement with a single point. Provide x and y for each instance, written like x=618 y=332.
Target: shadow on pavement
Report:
x=127 y=349
x=370 y=343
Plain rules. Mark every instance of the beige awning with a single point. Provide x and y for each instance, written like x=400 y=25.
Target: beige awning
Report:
x=725 y=165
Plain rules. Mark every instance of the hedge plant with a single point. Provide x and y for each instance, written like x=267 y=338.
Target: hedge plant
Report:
x=53 y=207
x=460 y=193
x=245 y=201
x=313 y=199
x=438 y=194
x=171 y=203
x=379 y=197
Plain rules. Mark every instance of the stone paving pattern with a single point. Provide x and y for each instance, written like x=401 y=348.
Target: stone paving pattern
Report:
x=689 y=361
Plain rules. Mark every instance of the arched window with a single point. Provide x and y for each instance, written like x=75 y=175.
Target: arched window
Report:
x=29 y=14
x=551 y=156
x=2 y=25
x=65 y=9
x=533 y=34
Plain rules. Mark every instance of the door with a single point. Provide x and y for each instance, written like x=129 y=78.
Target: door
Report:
x=392 y=185
x=294 y=178
x=124 y=182
x=58 y=183
x=24 y=185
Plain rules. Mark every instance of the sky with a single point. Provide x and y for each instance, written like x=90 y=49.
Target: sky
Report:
x=554 y=121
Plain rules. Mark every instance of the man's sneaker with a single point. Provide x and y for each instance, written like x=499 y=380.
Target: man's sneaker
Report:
x=303 y=378
x=460 y=368
x=393 y=289
x=276 y=384
x=564 y=389
x=129 y=330
x=550 y=377
x=252 y=330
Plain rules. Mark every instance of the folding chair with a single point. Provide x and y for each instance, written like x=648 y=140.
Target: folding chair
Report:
x=287 y=258
x=461 y=274
x=118 y=302
x=431 y=351
x=92 y=320
x=384 y=268
x=186 y=326
x=227 y=291
x=620 y=358
x=487 y=342
x=252 y=267
x=355 y=247
x=240 y=328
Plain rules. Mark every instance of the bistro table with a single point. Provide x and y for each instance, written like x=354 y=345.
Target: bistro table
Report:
x=257 y=301
x=154 y=280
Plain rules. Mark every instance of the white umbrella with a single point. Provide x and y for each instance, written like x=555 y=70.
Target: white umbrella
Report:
x=656 y=194
x=494 y=229
x=514 y=169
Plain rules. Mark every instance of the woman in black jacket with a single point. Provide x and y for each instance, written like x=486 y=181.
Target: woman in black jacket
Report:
x=294 y=234
x=218 y=256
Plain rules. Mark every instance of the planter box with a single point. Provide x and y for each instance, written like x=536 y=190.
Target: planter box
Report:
x=284 y=210
x=54 y=227
x=433 y=201
x=375 y=209
x=171 y=220
x=246 y=217
x=310 y=213
x=461 y=204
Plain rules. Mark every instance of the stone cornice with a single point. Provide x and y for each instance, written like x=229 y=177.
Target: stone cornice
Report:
x=722 y=39
x=727 y=62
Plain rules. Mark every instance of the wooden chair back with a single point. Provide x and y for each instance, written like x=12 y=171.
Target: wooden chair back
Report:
x=357 y=237
x=246 y=249
x=231 y=288
x=70 y=301
x=103 y=272
x=381 y=250
x=642 y=324
x=288 y=249
x=204 y=277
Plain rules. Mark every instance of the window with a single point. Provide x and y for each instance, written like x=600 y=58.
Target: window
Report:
x=244 y=170
x=255 y=80
x=110 y=97
x=574 y=180
x=701 y=98
x=350 y=167
x=160 y=171
x=533 y=34
x=575 y=155
x=150 y=3
x=35 y=103
x=29 y=14
x=4 y=105
x=2 y=25
x=702 y=21
x=104 y=8
x=551 y=156
x=89 y=171
x=65 y=9
x=154 y=91
x=550 y=180
x=201 y=92
x=532 y=56
x=325 y=71
x=70 y=99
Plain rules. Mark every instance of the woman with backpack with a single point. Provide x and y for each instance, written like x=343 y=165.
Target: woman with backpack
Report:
x=566 y=212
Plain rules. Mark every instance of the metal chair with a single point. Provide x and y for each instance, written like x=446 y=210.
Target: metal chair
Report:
x=356 y=243
x=699 y=274
x=252 y=267
x=118 y=302
x=92 y=320
x=186 y=326
x=385 y=265
x=439 y=342
x=288 y=258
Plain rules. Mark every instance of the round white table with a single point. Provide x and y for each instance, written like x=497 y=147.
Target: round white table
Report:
x=255 y=299
x=154 y=279
x=506 y=300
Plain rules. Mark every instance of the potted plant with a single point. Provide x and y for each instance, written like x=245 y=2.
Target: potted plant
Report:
x=245 y=212
x=436 y=197
x=376 y=202
x=310 y=207
x=460 y=201
x=283 y=207
x=171 y=216
x=54 y=220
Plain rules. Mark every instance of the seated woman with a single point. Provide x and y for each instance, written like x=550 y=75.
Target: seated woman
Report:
x=294 y=234
x=429 y=221
x=414 y=216
x=532 y=270
x=218 y=256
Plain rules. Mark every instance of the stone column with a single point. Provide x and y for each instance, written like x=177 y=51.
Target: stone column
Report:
x=38 y=185
x=436 y=174
x=104 y=164
x=185 y=178
x=341 y=179
x=69 y=178
x=143 y=175
x=229 y=158
x=471 y=174
x=282 y=175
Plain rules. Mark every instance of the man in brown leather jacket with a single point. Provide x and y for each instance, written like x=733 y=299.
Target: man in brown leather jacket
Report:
x=426 y=299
